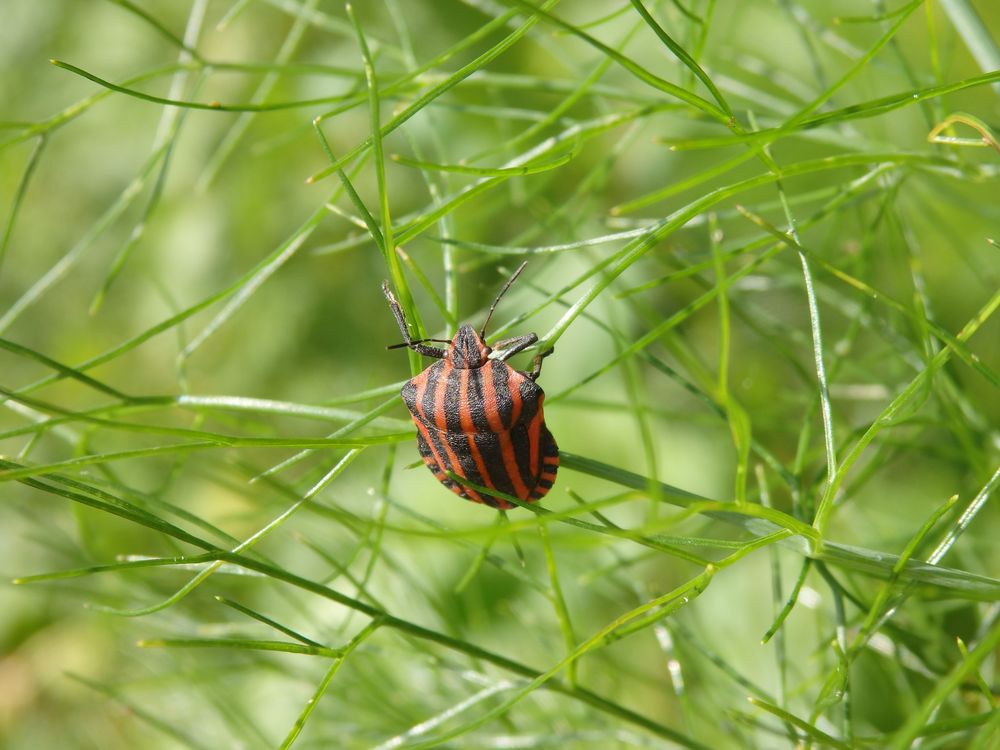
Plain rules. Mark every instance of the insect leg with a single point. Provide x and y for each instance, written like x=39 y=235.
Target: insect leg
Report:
x=510 y=347
x=536 y=365
x=397 y=311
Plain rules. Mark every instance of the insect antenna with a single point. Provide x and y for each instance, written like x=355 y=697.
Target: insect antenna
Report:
x=501 y=293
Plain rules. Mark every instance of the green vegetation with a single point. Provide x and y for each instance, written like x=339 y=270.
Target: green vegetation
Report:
x=763 y=240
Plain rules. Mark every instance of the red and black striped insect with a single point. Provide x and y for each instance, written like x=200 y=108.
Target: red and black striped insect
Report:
x=479 y=418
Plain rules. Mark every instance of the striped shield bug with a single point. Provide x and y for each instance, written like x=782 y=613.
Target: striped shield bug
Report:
x=476 y=416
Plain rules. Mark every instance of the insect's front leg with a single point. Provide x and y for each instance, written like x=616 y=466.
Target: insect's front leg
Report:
x=536 y=364
x=397 y=311
x=510 y=347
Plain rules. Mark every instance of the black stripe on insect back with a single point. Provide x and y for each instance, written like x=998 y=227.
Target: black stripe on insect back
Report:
x=550 y=464
x=459 y=440
x=427 y=454
x=427 y=451
x=550 y=460
x=501 y=392
x=488 y=444
x=550 y=451
x=437 y=447
x=452 y=399
x=409 y=394
x=427 y=405
x=424 y=449
x=451 y=445
x=474 y=399
x=522 y=453
x=432 y=463
x=529 y=393
x=460 y=443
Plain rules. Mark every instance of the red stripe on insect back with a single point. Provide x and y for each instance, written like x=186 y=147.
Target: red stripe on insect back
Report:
x=427 y=454
x=438 y=412
x=422 y=421
x=468 y=428
x=528 y=413
x=503 y=435
x=510 y=463
x=443 y=454
x=490 y=405
x=545 y=482
x=534 y=438
x=457 y=437
x=513 y=387
x=550 y=465
x=453 y=463
x=484 y=413
x=461 y=461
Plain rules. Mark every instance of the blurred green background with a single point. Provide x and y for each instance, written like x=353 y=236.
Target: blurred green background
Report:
x=187 y=246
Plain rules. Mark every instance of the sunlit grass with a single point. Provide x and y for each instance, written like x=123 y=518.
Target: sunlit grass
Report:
x=762 y=244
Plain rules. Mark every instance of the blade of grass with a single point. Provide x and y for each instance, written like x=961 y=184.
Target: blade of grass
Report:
x=862 y=110
x=810 y=730
x=20 y=193
x=406 y=627
x=559 y=602
x=767 y=521
x=268 y=621
x=702 y=105
x=917 y=722
x=239 y=128
x=689 y=62
x=893 y=411
x=438 y=89
x=632 y=621
x=975 y=33
x=242 y=645
x=73 y=255
x=310 y=706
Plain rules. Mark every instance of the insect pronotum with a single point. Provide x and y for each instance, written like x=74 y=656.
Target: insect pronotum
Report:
x=476 y=416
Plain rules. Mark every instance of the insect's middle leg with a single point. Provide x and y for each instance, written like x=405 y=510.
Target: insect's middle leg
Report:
x=536 y=364
x=513 y=346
